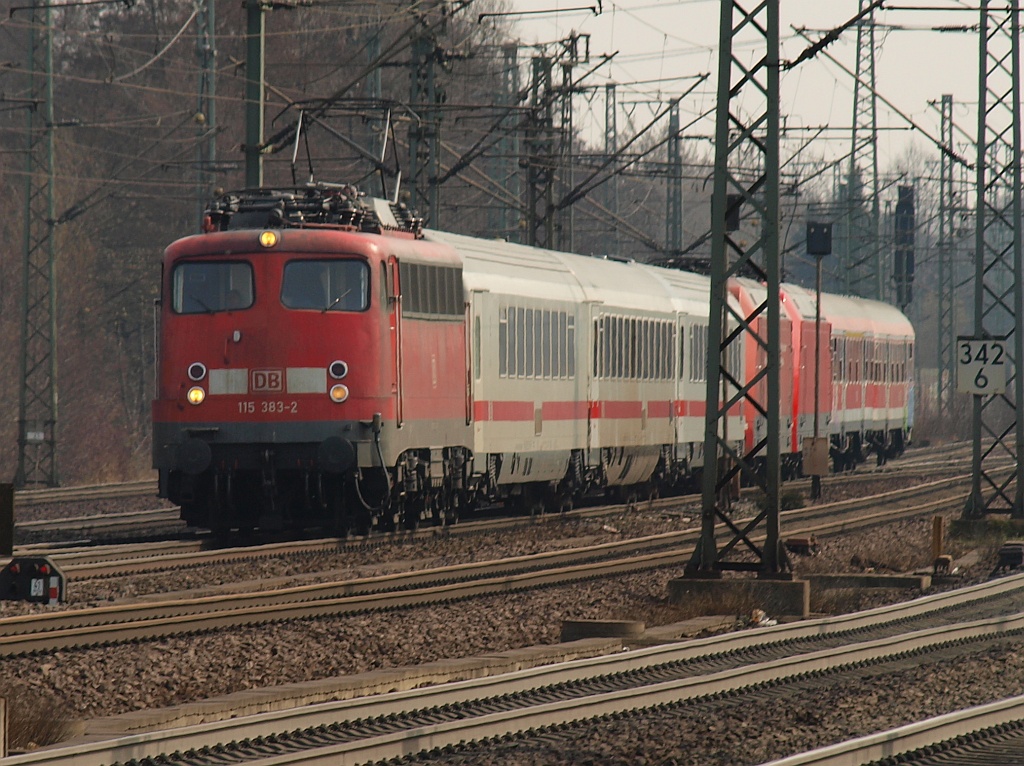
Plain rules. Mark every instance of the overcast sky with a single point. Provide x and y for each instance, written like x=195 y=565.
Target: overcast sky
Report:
x=655 y=41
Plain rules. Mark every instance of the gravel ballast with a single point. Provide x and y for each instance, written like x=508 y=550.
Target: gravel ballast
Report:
x=103 y=681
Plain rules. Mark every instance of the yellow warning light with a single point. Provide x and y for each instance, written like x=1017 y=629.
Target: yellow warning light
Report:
x=268 y=238
x=196 y=395
x=339 y=393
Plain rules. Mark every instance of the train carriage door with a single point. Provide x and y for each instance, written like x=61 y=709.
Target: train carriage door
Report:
x=596 y=365
x=481 y=336
x=679 y=399
x=890 y=381
x=395 y=322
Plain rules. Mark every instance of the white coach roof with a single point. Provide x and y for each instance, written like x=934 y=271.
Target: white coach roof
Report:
x=504 y=267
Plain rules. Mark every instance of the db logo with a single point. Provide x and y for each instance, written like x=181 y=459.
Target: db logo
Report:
x=267 y=381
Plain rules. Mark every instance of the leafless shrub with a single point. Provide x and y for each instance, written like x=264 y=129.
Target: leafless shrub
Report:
x=35 y=720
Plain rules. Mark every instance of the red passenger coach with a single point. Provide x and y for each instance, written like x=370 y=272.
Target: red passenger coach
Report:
x=872 y=352
x=811 y=343
x=326 y=362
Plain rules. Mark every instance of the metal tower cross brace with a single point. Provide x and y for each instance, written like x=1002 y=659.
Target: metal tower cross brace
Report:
x=746 y=176
x=998 y=430
x=37 y=410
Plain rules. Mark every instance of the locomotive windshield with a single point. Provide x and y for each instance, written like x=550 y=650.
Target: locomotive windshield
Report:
x=205 y=287
x=326 y=285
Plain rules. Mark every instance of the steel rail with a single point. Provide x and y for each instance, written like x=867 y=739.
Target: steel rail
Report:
x=107 y=523
x=533 y=717
x=30 y=497
x=120 y=622
x=27 y=497
x=102 y=520
x=88 y=562
x=978 y=721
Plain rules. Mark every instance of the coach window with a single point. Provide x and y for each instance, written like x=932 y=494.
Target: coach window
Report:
x=530 y=345
x=546 y=344
x=698 y=353
x=520 y=365
x=202 y=287
x=326 y=285
x=682 y=351
x=504 y=342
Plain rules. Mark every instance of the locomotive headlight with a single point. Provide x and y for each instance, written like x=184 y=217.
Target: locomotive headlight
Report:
x=339 y=393
x=197 y=371
x=196 y=395
x=338 y=369
x=268 y=238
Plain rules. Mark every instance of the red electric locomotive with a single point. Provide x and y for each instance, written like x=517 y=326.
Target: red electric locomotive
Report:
x=279 y=363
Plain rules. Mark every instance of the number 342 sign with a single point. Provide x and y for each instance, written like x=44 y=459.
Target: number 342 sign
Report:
x=981 y=365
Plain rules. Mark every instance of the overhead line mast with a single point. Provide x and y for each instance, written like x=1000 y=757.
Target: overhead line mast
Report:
x=947 y=263
x=37 y=403
x=864 y=270
x=742 y=141
x=998 y=430
x=206 y=103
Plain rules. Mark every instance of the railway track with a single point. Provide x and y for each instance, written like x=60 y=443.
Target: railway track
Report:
x=979 y=736
x=49 y=631
x=85 y=561
x=30 y=497
x=787 y=530
x=77 y=530
x=544 y=701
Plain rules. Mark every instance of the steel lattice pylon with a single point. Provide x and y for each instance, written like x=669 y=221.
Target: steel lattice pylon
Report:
x=863 y=253
x=541 y=158
x=425 y=125
x=742 y=142
x=611 y=149
x=947 y=280
x=674 y=184
x=37 y=411
x=998 y=430
x=548 y=147
x=255 y=32
x=206 y=104
x=504 y=218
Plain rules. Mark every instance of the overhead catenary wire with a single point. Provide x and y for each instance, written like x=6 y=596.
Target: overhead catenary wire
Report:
x=158 y=56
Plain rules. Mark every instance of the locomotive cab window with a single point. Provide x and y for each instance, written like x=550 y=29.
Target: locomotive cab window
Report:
x=326 y=285
x=203 y=287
